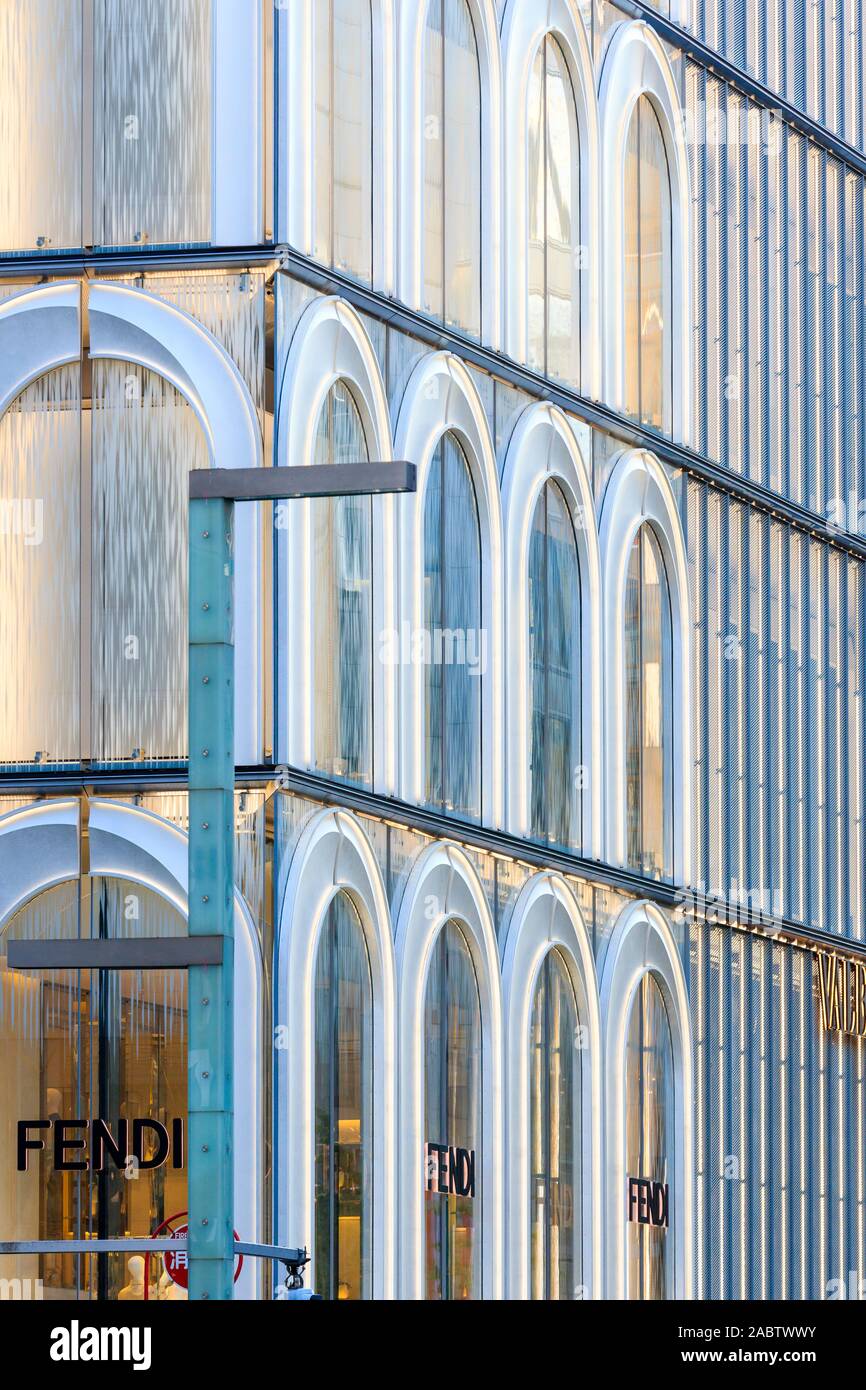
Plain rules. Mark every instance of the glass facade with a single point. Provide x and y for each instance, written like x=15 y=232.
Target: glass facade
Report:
x=452 y=617
x=649 y=709
x=650 y=1139
x=648 y=384
x=452 y=1113
x=555 y=1134
x=344 y=1106
x=344 y=136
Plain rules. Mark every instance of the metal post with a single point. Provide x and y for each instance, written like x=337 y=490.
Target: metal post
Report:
x=211 y=892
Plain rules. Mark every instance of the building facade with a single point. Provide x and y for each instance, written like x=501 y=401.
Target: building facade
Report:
x=550 y=860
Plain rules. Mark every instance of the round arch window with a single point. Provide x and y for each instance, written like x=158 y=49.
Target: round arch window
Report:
x=649 y=1144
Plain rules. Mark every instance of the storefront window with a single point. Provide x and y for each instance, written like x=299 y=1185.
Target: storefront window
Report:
x=554 y=660
x=649 y=701
x=452 y=1119
x=555 y=1134
x=344 y=136
x=342 y=588
x=80 y=1046
x=647 y=270
x=650 y=1145
x=344 y=1106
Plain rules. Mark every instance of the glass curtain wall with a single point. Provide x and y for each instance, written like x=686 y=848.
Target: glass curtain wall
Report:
x=555 y=672
x=452 y=1113
x=344 y=136
x=452 y=167
x=344 y=1106
x=454 y=656
x=650 y=1136
x=342 y=531
x=555 y=1135
x=554 y=253
x=649 y=704
x=648 y=357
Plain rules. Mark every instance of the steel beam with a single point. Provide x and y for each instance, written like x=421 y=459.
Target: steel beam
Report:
x=313 y=480
x=133 y=953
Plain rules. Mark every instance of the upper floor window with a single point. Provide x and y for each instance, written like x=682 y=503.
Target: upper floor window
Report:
x=452 y=167
x=342 y=602
x=554 y=663
x=648 y=356
x=452 y=617
x=344 y=136
x=553 y=268
x=344 y=1105
x=649 y=701
x=555 y=1136
x=650 y=1138
x=452 y=1115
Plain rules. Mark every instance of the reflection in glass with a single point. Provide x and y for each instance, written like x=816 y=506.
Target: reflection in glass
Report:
x=650 y=1136
x=344 y=136
x=452 y=167
x=554 y=217
x=649 y=703
x=344 y=1106
x=555 y=1100
x=452 y=1113
x=554 y=663
x=79 y=1046
x=452 y=618
x=342 y=613
x=647 y=233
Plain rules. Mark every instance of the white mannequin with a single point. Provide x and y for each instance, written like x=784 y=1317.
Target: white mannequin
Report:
x=134 y=1290
x=168 y=1291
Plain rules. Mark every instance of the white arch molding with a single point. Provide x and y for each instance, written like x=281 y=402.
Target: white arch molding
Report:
x=332 y=855
x=296 y=136
x=442 y=397
x=330 y=344
x=543 y=449
x=524 y=27
x=643 y=942
x=546 y=917
x=638 y=491
x=141 y=847
x=410 y=30
x=443 y=886
x=136 y=326
x=635 y=64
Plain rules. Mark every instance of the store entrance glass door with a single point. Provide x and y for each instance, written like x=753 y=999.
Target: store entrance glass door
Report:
x=79 y=1046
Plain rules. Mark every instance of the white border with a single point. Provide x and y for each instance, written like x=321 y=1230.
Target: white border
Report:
x=443 y=886
x=546 y=916
x=332 y=855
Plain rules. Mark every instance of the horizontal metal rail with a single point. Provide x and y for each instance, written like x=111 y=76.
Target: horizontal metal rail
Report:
x=311 y=480
x=138 y=1245
x=143 y=953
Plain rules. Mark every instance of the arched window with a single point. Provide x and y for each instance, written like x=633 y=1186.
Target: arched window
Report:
x=648 y=357
x=452 y=167
x=554 y=660
x=555 y=1134
x=342 y=596
x=344 y=135
x=452 y=1119
x=454 y=658
x=649 y=701
x=554 y=217
x=649 y=1144
x=344 y=1105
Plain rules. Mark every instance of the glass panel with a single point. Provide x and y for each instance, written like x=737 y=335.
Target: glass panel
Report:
x=342 y=611
x=152 y=121
x=649 y=703
x=536 y=196
x=344 y=1106
x=631 y=287
x=324 y=131
x=655 y=240
x=462 y=153
x=452 y=1113
x=40 y=442
x=650 y=1138
x=554 y=657
x=40 y=124
x=452 y=615
x=563 y=221
x=434 y=169
x=353 y=138
x=555 y=1142
x=80 y=1046
x=145 y=440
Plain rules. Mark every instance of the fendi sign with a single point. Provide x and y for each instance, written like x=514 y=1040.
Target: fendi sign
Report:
x=842 y=992
x=68 y=1139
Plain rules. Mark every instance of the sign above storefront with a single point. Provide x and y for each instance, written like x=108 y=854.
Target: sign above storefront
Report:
x=648 y=1202
x=842 y=992
x=151 y=1144
x=450 y=1171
